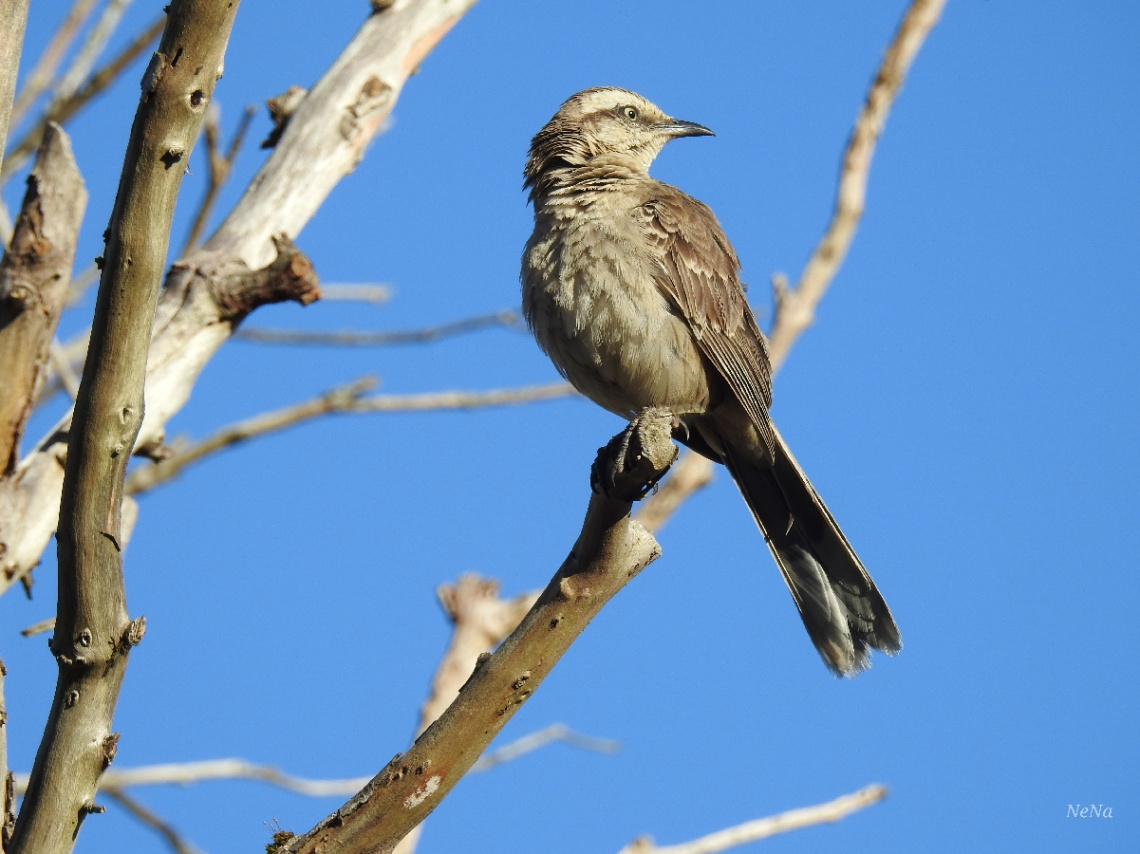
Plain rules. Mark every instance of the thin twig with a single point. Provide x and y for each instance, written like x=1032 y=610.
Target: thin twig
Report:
x=541 y=738
x=62 y=366
x=184 y=773
x=62 y=112
x=152 y=820
x=89 y=51
x=365 y=292
x=73 y=351
x=762 y=828
x=507 y=317
x=38 y=628
x=41 y=75
x=795 y=308
x=339 y=399
x=220 y=165
x=80 y=285
x=462 y=399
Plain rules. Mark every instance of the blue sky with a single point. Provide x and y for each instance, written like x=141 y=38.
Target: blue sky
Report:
x=965 y=402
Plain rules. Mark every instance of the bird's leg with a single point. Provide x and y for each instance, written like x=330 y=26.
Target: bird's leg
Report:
x=629 y=466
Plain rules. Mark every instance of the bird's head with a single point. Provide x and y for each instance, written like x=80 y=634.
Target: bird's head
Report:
x=604 y=127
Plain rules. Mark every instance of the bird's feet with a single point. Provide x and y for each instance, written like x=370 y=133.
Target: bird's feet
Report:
x=635 y=459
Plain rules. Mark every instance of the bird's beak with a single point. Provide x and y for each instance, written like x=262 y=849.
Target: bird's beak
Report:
x=676 y=128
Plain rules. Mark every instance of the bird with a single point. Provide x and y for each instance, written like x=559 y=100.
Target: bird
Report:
x=633 y=291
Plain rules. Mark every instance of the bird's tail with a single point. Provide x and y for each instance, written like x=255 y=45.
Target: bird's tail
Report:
x=843 y=611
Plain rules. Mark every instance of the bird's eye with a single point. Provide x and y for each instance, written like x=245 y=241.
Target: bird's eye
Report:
x=630 y=113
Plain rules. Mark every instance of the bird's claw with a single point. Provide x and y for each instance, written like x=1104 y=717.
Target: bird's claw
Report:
x=623 y=468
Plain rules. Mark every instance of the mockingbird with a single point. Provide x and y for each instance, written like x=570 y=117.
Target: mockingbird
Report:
x=632 y=289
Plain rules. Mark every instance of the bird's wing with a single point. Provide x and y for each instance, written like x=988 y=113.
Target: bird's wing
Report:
x=700 y=274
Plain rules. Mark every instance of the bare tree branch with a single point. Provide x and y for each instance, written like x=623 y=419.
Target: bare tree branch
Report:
x=764 y=827
x=44 y=70
x=152 y=820
x=337 y=400
x=64 y=110
x=355 y=338
x=219 y=166
x=184 y=773
x=324 y=140
x=610 y=551
x=13 y=20
x=213 y=298
x=94 y=634
x=34 y=276
x=38 y=628
x=346 y=398
x=795 y=308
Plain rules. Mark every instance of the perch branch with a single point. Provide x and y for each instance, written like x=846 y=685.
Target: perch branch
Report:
x=762 y=828
x=610 y=551
x=795 y=308
x=93 y=634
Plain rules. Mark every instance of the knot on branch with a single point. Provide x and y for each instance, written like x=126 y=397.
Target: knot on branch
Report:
x=374 y=97
x=110 y=748
x=133 y=634
x=290 y=276
x=281 y=109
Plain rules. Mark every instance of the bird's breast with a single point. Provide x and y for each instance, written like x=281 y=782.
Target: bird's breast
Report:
x=591 y=299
